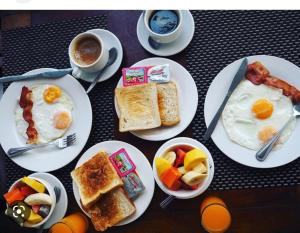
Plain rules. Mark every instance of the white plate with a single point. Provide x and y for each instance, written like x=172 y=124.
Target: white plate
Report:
x=111 y=41
x=187 y=97
x=62 y=205
x=185 y=194
x=143 y=168
x=49 y=158
x=171 y=48
x=278 y=67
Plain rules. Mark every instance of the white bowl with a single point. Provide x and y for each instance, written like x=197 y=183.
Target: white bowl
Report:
x=185 y=194
x=51 y=192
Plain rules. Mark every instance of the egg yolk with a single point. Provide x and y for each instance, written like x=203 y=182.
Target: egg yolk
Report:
x=62 y=120
x=51 y=94
x=266 y=133
x=262 y=109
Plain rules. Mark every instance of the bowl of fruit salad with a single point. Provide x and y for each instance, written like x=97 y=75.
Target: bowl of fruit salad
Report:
x=183 y=167
x=30 y=201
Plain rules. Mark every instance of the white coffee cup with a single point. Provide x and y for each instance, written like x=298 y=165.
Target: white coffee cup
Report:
x=99 y=63
x=163 y=38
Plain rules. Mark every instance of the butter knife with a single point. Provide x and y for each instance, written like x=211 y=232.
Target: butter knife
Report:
x=240 y=74
x=47 y=74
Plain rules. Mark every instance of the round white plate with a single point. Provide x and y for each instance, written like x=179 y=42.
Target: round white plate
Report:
x=171 y=48
x=62 y=205
x=143 y=168
x=278 y=67
x=185 y=194
x=187 y=97
x=110 y=40
x=49 y=158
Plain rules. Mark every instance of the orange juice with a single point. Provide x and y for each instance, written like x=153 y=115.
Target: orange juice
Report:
x=74 y=223
x=215 y=217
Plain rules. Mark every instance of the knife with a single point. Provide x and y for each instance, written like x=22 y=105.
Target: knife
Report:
x=240 y=74
x=47 y=74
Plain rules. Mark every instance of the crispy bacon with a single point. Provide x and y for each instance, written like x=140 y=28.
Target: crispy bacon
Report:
x=258 y=74
x=26 y=103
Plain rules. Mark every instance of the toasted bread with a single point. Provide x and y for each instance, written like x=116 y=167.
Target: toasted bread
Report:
x=112 y=208
x=168 y=104
x=138 y=107
x=95 y=177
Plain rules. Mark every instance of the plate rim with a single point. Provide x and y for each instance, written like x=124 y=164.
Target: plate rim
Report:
x=217 y=143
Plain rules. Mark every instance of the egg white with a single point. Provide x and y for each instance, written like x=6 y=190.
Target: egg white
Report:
x=43 y=115
x=241 y=124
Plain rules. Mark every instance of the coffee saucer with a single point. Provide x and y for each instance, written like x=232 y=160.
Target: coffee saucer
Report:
x=110 y=40
x=171 y=48
x=62 y=205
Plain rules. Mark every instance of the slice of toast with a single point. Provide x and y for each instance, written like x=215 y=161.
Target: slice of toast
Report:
x=112 y=208
x=95 y=177
x=138 y=107
x=168 y=103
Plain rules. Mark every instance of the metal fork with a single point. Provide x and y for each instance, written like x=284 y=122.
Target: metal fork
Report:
x=60 y=143
x=166 y=201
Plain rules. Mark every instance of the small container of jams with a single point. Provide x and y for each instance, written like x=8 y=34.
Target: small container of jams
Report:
x=215 y=217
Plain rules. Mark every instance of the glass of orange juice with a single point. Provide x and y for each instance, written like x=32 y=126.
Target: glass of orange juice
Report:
x=215 y=217
x=74 y=223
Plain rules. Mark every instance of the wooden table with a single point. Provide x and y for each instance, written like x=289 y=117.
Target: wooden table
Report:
x=275 y=210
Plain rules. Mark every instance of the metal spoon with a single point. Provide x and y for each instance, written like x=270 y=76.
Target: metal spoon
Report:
x=153 y=43
x=57 y=191
x=113 y=54
x=263 y=153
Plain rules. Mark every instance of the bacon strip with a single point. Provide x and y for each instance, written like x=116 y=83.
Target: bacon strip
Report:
x=258 y=74
x=26 y=103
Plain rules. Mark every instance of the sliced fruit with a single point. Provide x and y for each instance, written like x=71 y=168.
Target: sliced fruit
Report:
x=193 y=178
x=171 y=178
x=13 y=196
x=200 y=168
x=194 y=158
x=38 y=199
x=182 y=170
x=170 y=156
x=34 y=218
x=37 y=186
x=26 y=190
x=36 y=208
x=180 y=155
x=188 y=187
x=161 y=165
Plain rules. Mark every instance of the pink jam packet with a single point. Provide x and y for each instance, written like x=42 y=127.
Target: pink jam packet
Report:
x=134 y=76
x=122 y=162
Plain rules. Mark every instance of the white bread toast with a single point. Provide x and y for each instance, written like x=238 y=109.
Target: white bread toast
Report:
x=112 y=208
x=138 y=107
x=95 y=177
x=168 y=103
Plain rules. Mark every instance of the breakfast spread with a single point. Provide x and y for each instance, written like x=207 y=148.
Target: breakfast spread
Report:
x=258 y=108
x=102 y=190
x=44 y=113
x=126 y=170
x=182 y=167
x=150 y=105
x=28 y=202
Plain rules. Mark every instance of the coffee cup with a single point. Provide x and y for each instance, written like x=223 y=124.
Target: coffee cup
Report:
x=163 y=32
x=88 y=52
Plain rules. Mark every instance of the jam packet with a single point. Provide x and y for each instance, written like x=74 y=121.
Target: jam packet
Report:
x=134 y=76
x=159 y=73
x=126 y=170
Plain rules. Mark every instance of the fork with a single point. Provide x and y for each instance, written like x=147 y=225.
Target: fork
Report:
x=166 y=201
x=60 y=143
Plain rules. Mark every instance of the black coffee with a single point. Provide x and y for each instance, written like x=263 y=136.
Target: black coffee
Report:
x=163 y=21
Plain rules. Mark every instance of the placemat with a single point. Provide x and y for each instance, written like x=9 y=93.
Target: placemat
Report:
x=46 y=45
x=222 y=37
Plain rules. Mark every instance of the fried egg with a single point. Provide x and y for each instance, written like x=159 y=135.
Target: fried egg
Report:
x=51 y=113
x=255 y=113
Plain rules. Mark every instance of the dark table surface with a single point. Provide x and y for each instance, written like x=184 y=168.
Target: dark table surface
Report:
x=253 y=210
